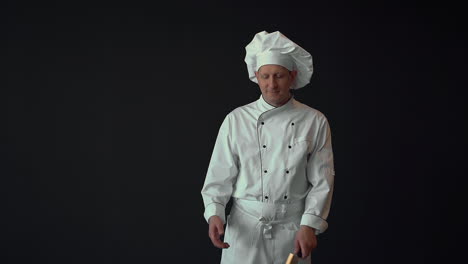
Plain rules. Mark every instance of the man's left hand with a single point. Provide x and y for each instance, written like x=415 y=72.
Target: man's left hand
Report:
x=305 y=241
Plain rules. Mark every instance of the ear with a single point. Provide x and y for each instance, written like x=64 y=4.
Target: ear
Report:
x=293 y=74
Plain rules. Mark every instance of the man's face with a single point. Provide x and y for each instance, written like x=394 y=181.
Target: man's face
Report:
x=275 y=82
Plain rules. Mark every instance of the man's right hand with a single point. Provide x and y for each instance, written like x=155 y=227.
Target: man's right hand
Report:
x=215 y=230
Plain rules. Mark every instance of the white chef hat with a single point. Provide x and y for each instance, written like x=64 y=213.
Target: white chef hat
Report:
x=276 y=48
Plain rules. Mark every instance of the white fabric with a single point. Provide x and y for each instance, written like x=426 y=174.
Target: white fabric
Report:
x=274 y=57
x=286 y=159
x=276 y=48
x=261 y=232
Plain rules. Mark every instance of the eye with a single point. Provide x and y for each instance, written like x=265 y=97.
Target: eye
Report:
x=264 y=76
x=279 y=76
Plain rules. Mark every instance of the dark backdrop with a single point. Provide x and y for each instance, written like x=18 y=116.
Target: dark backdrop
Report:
x=111 y=112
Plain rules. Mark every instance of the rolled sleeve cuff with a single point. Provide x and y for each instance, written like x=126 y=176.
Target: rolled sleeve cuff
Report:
x=319 y=224
x=214 y=209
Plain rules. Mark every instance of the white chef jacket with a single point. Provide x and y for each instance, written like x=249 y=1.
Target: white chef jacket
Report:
x=273 y=155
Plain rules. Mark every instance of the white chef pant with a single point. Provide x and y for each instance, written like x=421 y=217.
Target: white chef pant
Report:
x=261 y=233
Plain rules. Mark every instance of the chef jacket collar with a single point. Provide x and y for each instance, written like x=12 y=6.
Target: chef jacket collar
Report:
x=264 y=106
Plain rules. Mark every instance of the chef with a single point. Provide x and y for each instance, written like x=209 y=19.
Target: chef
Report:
x=273 y=157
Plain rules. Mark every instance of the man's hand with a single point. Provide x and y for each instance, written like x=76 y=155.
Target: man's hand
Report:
x=215 y=231
x=305 y=241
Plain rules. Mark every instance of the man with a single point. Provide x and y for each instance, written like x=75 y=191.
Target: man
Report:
x=274 y=158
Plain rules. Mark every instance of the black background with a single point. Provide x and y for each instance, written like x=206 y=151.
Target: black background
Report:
x=111 y=111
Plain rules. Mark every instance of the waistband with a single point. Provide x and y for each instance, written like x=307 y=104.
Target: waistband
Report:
x=268 y=215
x=269 y=211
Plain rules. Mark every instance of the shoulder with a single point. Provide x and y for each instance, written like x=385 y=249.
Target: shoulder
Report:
x=309 y=111
x=237 y=111
x=241 y=110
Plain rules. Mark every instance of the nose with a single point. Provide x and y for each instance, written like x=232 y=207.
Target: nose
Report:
x=272 y=83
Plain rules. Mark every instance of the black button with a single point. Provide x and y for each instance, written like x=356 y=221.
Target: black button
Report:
x=265 y=171
x=266 y=197
x=285 y=197
x=264 y=146
x=287 y=171
x=263 y=123
x=292 y=124
x=289 y=146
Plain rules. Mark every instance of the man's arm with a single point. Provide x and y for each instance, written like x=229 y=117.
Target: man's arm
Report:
x=221 y=174
x=320 y=173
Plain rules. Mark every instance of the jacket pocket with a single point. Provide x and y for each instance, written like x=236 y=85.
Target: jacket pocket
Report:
x=300 y=147
x=302 y=144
